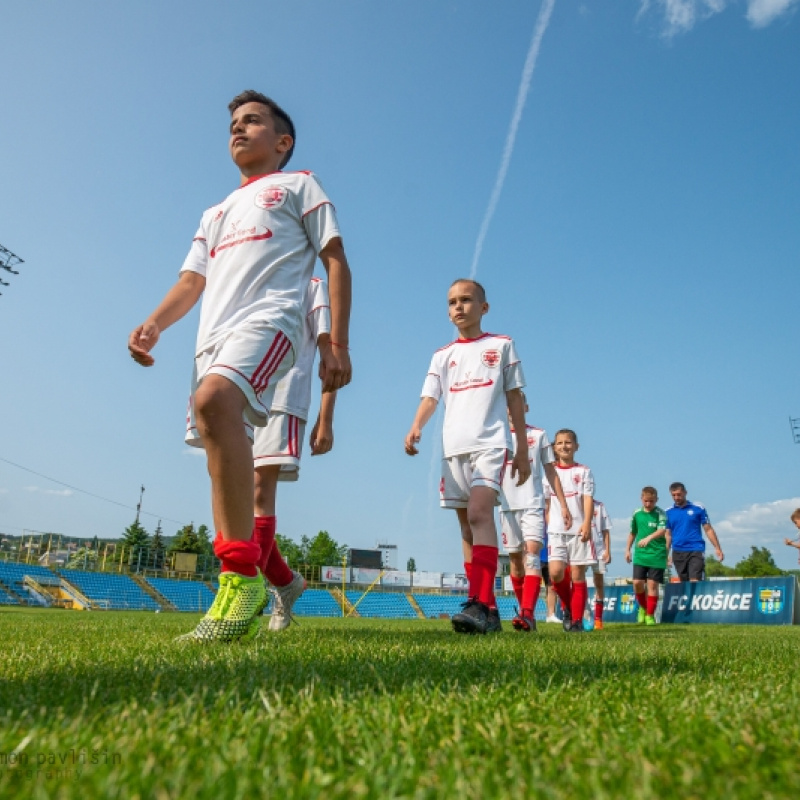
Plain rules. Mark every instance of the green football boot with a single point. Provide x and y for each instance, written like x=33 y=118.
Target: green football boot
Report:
x=642 y=614
x=233 y=614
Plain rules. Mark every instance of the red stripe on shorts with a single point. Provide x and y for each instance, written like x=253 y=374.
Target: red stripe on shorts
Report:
x=271 y=361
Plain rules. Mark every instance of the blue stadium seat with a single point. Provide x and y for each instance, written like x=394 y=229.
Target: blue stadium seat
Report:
x=113 y=591
x=184 y=595
x=13 y=576
x=388 y=605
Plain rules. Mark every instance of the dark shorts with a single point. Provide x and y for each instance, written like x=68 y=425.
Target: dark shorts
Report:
x=546 y=574
x=689 y=565
x=641 y=573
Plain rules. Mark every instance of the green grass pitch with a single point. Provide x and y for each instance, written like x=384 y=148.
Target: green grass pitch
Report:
x=103 y=705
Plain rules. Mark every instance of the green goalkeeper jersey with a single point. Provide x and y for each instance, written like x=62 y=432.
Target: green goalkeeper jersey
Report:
x=644 y=523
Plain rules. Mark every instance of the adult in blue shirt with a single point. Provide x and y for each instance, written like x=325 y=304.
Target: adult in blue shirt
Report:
x=685 y=523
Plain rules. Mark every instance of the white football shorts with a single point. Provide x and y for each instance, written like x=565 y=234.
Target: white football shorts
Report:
x=280 y=443
x=254 y=356
x=569 y=549
x=600 y=568
x=517 y=527
x=461 y=473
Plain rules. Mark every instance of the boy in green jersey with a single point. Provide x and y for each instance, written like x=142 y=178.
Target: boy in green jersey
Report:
x=650 y=536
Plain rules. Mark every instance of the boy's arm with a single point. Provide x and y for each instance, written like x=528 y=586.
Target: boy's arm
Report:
x=425 y=411
x=335 y=370
x=521 y=465
x=631 y=538
x=588 y=513
x=558 y=489
x=321 y=439
x=607 y=544
x=178 y=301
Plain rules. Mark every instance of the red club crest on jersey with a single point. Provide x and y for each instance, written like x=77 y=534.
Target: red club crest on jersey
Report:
x=491 y=358
x=576 y=479
x=270 y=198
x=452 y=364
x=530 y=441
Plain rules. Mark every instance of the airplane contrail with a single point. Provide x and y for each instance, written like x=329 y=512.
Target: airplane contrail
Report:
x=542 y=22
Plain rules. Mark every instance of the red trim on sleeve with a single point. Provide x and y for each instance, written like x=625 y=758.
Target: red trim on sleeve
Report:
x=310 y=210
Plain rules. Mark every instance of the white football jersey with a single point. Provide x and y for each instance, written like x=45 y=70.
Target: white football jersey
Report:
x=293 y=392
x=257 y=250
x=600 y=522
x=531 y=493
x=576 y=481
x=472 y=376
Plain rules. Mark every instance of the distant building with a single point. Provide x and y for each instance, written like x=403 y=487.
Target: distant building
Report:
x=388 y=555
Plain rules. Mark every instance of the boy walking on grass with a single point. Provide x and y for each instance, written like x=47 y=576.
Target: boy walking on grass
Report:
x=251 y=259
x=479 y=378
x=649 y=539
x=571 y=546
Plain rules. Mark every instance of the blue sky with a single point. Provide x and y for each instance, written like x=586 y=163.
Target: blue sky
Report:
x=644 y=251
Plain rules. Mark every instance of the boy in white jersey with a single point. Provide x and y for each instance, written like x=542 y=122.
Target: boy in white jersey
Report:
x=479 y=377
x=522 y=524
x=278 y=445
x=253 y=257
x=571 y=546
x=601 y=534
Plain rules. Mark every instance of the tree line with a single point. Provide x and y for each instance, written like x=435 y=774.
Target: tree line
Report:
x=759 y=564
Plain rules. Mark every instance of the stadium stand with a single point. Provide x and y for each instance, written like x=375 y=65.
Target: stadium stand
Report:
x=382 y=604
x=7 y=599
x=316 y=603
x=436 y=605
x=184 y=595
x=114 y=591
x=13 y=576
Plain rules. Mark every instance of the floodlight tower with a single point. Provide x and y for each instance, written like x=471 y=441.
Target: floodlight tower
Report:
x=8 y=261
x=794 y=424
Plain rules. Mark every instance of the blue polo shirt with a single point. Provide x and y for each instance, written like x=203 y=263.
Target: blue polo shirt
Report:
x=686 y=525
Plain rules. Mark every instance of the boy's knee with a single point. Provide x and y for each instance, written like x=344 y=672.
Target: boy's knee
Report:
x=217 y=399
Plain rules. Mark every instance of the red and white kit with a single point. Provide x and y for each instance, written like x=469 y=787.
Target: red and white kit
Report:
x=600 y=523
x=280 y=441
x=472 y=376
x=256 y=251
x=522 y=507
x=565 y=544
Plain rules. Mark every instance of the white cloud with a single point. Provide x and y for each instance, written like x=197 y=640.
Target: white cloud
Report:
x=55 y=492
x=765 y=520
x=761 y=12
x=194 y=451
x=680 y=16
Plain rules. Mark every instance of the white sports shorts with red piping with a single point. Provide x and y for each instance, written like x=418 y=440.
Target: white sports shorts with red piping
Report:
x=524 y=525
x=461 y=473
x=600 y=568
x=569 y=549
x=254 y=356
x=280 y=443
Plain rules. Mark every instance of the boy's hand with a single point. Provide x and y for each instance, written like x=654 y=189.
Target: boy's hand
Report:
x=335 y=370
x=521 y=467
x=142 y=341
x=412 y=438
x=321 y=439
x=586 y=532
x=606 y=557
x=643 y=542
x=628 y=556
x=720 y=555
x=567 y=517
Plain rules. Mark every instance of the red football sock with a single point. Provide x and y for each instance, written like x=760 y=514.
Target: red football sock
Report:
x=264 y=533
x=238 y=556
x=564 y=591
x=277 y=571
x=468 y=570
x=641 y=599
x=484 y=569
x=530 y=593
x=580 y=593
x=652 y=602
x=517 y=584
x=598 y=610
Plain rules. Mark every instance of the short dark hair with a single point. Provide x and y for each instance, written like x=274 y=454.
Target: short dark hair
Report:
x=478 y=287
x=567 y=432
x=676 y=485
x=283 y=122
x=795 y=515
x=650 y=491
